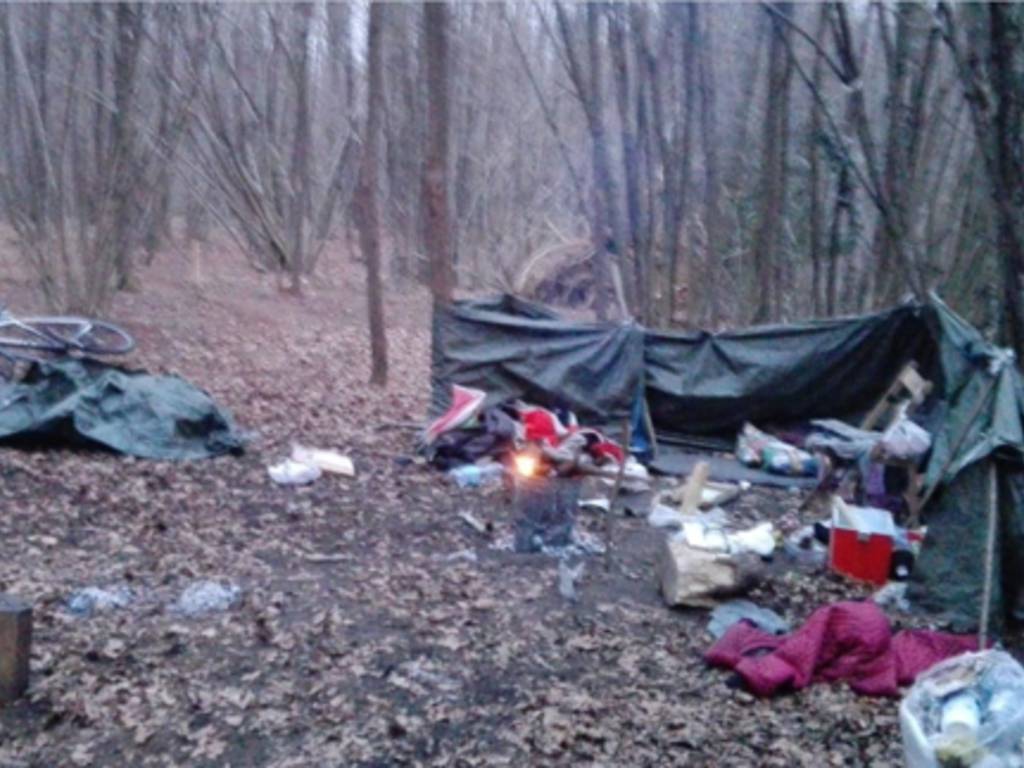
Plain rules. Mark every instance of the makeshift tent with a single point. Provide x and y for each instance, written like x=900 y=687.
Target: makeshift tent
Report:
x=709 y=384
x=511 y=348
x=86 y=402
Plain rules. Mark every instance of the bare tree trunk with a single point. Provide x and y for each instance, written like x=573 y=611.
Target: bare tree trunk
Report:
x=549 y=119
x=101 y=126
x=302 y=145
x=633 y=247
x=773 y=177
x=338 y=34
x=992 y=87
x=366 y=198
x=709 y=141
x=741 y=119
x=128 y=43
x=608 y=230
x=1006 y=31
x=10 y=84
x=159 y=220
x=41 y=61
x=438 y=233
x=816 y=235
x=682 y=182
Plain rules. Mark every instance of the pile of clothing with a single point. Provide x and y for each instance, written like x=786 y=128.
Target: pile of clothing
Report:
x=469 y=433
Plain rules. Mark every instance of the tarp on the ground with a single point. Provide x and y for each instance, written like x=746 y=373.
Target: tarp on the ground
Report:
x=86 y=402
x=709 y=384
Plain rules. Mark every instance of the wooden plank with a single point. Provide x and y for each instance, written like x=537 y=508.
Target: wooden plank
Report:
x=694 y=487
x=908 y=385
x=918 y=386
x=15 y=647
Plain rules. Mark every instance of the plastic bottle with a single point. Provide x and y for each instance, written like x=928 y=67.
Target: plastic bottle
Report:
x=961 y=715
x=785 y=461
x=474 y=475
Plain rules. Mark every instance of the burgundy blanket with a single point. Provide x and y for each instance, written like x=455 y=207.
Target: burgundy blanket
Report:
x=845 y=641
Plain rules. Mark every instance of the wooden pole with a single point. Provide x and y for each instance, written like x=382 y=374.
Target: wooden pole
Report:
x=616 y=489
x=990 y=551
x=15 y=646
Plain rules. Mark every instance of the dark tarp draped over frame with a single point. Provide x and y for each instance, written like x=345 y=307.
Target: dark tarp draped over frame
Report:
x=712 y=383
x=977 y=429
x=513 y=349
x=86 y=402
x=704 y=383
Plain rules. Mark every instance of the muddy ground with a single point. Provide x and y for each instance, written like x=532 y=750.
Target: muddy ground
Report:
x=375 y=627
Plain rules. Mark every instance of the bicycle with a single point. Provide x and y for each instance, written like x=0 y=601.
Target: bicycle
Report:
x=33 y=339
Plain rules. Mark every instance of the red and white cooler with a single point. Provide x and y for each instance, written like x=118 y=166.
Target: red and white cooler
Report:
x=861 y=543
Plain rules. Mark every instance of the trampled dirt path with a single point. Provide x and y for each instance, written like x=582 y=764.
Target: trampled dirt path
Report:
x=366 y=635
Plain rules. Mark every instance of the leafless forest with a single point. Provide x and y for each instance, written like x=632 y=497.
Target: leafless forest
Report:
x=688 y=165
x=271 y=198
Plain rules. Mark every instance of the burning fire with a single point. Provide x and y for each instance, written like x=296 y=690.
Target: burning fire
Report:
x=526 y=464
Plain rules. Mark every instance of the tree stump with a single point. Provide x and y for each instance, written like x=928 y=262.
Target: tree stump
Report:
x=15 y=644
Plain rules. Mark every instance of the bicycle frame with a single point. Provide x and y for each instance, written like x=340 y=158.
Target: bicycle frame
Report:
x=31 y=338
x=52 y=340
x=55 y=342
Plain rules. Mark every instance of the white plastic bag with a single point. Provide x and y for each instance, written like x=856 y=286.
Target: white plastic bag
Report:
x=760 y=540
x=664 y=516
x=326 y=461
x=905 y=440
x=700 y=533
x=291 y=472
x=968 y=710
x=201 y=597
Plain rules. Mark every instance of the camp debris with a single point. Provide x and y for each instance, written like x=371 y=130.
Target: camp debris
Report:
x=325 y=460
x=707 y=495
x=475 y=475
x=89 y=600
x=475 y=444
x=673 y=387
x=202 y=597
x=893 y=596
x=968 y=710
x=292 y=472
x=758 y=449
x=697 y=577
x=70 y=402
x=806 y=549
x=568 y=577
x=735 y=611
x=306 y=465
x=707 y=559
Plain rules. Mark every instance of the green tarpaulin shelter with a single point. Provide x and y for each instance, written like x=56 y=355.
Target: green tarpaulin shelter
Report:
x=710 y=384
x=89 y=403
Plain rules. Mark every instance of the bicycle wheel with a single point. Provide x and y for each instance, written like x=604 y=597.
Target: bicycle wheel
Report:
x=61 y=334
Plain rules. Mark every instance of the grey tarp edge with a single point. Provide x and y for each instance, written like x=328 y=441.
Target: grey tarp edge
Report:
x=88 y=402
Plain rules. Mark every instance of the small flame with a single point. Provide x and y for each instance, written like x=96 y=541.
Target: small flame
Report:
x=526 y=464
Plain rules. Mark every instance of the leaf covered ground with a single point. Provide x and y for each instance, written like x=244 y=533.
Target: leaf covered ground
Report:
x=375 y=627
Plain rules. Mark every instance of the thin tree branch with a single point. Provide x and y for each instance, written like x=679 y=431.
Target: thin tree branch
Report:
x=777 y=14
